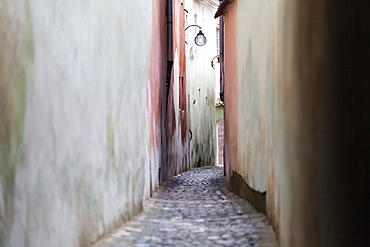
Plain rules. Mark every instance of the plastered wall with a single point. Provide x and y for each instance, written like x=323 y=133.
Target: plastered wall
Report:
x=175 y=112
x=201 y=83
x=275 y=113
x=156 y=93
x=74 y=135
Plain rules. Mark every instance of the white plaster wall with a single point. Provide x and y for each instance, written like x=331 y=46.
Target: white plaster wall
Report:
x=201 y=83
x=259 y=113
x=85 y=165
x=275 y=110
x=254 y=73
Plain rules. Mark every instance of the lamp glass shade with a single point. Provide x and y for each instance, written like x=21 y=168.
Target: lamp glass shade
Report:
x=200 y=39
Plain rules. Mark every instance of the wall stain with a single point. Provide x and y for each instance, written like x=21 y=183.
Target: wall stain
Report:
x=17 y=57
x=238 y=186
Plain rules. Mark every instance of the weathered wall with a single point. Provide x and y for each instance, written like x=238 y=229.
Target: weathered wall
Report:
x=176 y=111
x=274 y=123
x=201 y=83
x=157 y=92
x=74 y=136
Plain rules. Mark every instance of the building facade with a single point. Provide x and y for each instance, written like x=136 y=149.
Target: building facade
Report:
x=93 y=115
x=292 y=112
x=201 y=82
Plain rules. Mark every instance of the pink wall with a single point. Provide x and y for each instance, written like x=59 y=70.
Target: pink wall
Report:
x=176 y=117
x=157 y=90
x=232 y=90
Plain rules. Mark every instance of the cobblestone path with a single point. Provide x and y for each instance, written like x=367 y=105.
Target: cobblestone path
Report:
x=194 y=209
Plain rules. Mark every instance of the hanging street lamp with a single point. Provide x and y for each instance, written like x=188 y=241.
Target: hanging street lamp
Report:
x=200 y=39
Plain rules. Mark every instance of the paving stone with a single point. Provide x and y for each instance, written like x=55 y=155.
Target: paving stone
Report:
x=194 y=209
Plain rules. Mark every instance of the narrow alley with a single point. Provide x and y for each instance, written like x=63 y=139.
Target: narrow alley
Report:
x=194 y=209
x=116 y=117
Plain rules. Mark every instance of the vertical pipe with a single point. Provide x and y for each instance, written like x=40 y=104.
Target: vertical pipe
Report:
x=169 y=31
x=163 y=170
x=169 y=47
x=222 y=76
x=222 y=60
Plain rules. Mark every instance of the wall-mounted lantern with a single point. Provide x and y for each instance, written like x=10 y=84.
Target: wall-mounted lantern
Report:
x=213 y=59
x=200 y=39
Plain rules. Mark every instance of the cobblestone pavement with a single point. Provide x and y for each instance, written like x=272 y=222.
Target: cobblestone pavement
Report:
x=194 y=209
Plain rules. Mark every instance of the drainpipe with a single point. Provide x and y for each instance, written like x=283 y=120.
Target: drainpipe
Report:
x=222 y=74
x=222 y=60
x=169 y=47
